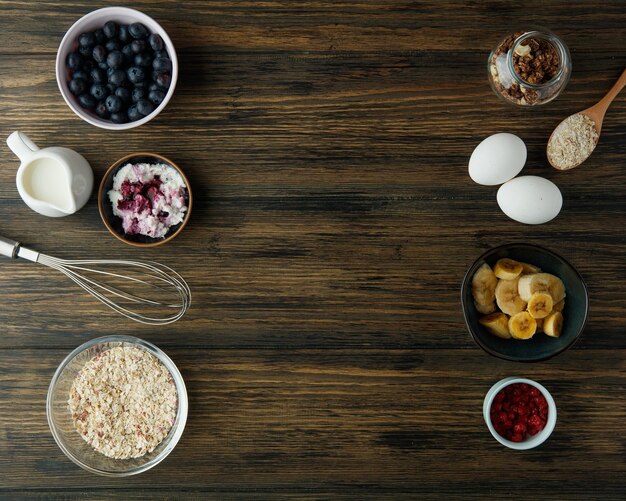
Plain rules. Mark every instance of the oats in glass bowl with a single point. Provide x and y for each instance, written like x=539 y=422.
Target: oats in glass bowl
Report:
x=123 y=402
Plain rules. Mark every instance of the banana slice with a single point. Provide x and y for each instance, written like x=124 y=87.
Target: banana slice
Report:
x=540 y=305
x=527 y=268
x=485 y=309
x=497 y=324
x=559 y=306
x=507 y=269
x=541 y=282
x=522 y=326
x=484 y=285
x=553 y=324
x=507 y=297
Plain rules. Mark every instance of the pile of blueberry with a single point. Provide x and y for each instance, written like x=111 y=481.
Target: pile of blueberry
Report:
x=120 y=72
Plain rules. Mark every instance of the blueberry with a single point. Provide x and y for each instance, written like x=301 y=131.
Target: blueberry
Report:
x=117 y=77
x=97 y=75
x=87 y=101
x=110 y=29
x=87 y=39
x=137 y=94
x=145 y=107
x=99 y=53
x=156 y=97
x=155 y=41
x=119 y=118
x=82 y=74
x=98 y=91
x=138 y=46
x=112 y=45
x=138 y=31
x=77 y=86
x=162 y=65
x=122 y=34
x=153 y=86
x=123 y=94
x=133 y=114
x=113 y=104
x=161 y=54
x=111 y=88
x=129 y=55
x=115 y=59
x=85 y=51
x=163 y=79
x=144 y=59
x=103 y=66
x=74 y=61
x=99 y=36
x=136 y=74
x=101 y=110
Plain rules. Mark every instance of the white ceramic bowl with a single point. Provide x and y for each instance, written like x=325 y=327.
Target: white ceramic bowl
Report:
x=533 y=441
x=93 y=21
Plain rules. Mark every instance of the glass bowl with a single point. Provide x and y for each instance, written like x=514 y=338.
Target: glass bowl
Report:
x=60 y=419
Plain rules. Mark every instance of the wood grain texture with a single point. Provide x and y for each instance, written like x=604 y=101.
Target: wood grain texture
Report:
x=325 y=352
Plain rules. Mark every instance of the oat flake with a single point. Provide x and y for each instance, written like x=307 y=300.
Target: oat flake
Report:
x=123 y=402
x=572 y=141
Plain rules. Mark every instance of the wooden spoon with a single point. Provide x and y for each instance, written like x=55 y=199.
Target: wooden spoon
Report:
x=596 y=114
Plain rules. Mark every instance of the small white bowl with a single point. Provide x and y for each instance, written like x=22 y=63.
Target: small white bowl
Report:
x=93 y=21
x=537 y=439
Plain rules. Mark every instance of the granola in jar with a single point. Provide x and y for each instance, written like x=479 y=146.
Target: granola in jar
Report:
x=529 y=68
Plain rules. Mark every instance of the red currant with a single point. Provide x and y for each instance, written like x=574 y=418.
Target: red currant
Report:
x=519 y=411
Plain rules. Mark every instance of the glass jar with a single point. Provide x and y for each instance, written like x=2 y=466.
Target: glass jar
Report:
x=529 y=67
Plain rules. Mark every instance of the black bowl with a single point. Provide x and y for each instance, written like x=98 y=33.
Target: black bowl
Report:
x=114 y=223
x=540 y=346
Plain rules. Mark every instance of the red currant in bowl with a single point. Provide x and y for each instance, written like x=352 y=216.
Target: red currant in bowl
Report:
x=520 y=413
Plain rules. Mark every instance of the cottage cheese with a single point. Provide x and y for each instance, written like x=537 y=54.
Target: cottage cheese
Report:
x=149 y=198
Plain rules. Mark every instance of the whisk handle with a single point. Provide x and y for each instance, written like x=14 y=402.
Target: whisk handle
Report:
x=9 y=248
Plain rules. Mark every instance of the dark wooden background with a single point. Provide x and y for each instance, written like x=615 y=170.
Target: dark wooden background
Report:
x=325 y=353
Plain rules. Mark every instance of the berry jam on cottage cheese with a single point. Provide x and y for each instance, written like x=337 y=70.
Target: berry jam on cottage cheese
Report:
x=149 y=198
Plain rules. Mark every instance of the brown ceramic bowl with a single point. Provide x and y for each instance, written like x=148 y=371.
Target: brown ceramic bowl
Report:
x=114 y=223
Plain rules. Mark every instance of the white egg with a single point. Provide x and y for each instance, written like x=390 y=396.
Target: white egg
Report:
x=497 y=159
x=530 y=199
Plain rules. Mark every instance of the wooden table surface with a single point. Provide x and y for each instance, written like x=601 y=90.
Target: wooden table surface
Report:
x=325 y=353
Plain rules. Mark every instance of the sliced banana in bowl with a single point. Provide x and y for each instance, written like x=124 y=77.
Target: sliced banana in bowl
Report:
x=523 y=302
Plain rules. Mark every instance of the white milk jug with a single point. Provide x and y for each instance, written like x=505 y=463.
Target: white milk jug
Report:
x=52 y=181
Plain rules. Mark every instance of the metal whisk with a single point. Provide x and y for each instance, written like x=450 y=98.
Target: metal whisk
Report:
x=171 y=294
